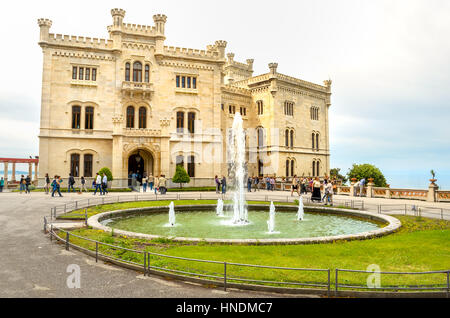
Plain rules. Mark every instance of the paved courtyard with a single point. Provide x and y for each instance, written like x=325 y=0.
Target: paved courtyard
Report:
x=32 y=266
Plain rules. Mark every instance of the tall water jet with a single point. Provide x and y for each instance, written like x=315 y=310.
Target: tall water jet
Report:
x=237 y=160
x=219 y=209
x=171 y=214
x=300 y=211
x=271 y=222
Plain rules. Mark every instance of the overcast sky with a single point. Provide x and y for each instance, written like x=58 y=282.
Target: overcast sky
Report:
x=389 y=62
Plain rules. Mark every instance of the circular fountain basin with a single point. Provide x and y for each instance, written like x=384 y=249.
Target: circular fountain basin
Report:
x=199 y=223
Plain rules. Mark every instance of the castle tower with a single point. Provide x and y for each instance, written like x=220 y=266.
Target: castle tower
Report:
x=160 y=22
x=44 y=25
x=221 y=45
x=118 y=15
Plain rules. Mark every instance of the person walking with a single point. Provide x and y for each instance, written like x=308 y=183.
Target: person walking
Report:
x=224 y=185
x=105 y=184
x=156 y=184
x=2 y=184
x=27 y=184
x=22 y=184
x=329 y=192
x=151 y=182
x=56 y=186
x=294 y=186
x=70 y=183
x=162 y=184
x=249 y=184
x=272 y=183
x=47 y=184
x=98 y=184
x=217 y=181
x=144 y=183
x=325 y=182
x=83 y=184
x=316 y=190
x=362 y=182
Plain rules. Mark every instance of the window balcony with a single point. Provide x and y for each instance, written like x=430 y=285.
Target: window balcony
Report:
x=134 y=88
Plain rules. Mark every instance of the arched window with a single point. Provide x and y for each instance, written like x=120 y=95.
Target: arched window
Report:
x=286 y=138
x=260 y=137
x=89 y=118
x=75 y=164
x=180 y=122
x=191 y=166
x=317 y=169
x=191 y=122
x=179 y=161
x=142 y=117
x=137 y=72
x=312 y=138
x=88 y=159
x=127 y=72
x=260 y=106
x=147 y=73
x=292 y=167
x=260 y=168
x=313 y=168
x=287 y=168
x=292 y=139
x=317 y=141
x=76 y=117
x=130 y=117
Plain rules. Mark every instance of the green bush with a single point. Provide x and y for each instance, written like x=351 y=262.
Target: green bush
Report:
x=181 y=176
x=107 y=172
x=367 y=171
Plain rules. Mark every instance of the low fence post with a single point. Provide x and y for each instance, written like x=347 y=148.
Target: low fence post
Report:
x=448 y=284
x=51 y=232
x=362 y=205
x=336 y=284
x=45 y=225
x=148 y=264
x=85 y=217
x=225 y=276
x=442 y=213
x=329 y=283
x=145 y=263
x=67 y=240
x=406 y=211
x=65 y=207
x=96 y=252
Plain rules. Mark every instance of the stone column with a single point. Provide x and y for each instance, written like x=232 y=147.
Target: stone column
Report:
x=388 y=191
x=5 y=165
x=352 y=187
x=432 y=188
x=13 y=178
x=369 y=189
x=35 y=171
x=30 y=170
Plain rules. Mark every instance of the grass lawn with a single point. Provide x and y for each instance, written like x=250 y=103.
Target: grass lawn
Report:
x=420 y=245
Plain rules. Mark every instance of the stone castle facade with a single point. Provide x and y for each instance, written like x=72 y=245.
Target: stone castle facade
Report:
x=132 y=104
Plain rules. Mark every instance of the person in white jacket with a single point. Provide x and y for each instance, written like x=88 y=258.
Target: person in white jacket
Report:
x=98 y=184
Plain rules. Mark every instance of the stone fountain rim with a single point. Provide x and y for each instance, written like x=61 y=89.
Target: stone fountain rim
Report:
x=393 y=224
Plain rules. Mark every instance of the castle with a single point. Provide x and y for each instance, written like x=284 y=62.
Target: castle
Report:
x=132 y=104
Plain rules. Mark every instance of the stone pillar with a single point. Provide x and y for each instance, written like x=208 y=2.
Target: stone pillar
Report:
x=35 y=171
x=5 y=165
x=30 y=170
x=431 y=197
x=369 y=189
x=388 y=191
x=352 y=187
x=13 y=178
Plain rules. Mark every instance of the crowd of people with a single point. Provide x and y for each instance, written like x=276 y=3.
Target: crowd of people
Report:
x=150 y=182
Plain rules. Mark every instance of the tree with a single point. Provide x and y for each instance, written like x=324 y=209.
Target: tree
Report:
x=107 y=172
x=181 y=176
x=334 y=174
x=367 y=171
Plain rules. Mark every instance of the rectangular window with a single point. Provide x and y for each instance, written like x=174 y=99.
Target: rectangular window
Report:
x=81 y=72
x=191 y=122
x=75 y=164
x=180 y=161
x=191 y=166
x=194 y=82
x=178 y=80
x=94 y=74
x=183 y=82
x=89 y=118
x=188 y=82
x=88 y=166
x=76 y=116
x=88 y=74
x=74 y=72
x=180 y=122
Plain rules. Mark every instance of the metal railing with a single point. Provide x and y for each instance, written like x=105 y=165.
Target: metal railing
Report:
x=444 y=286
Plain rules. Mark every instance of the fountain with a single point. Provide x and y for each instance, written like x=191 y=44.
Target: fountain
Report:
x=171 y=214
x=237 y=159
x=219 y=209
x=300 y=211
x=271 y=222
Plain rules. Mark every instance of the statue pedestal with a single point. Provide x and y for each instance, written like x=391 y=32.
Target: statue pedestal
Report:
x=432 y=188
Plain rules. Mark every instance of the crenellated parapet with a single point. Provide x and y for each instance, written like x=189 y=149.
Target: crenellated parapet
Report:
x=186 y=52
x=44 y=25
x=79 y=41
